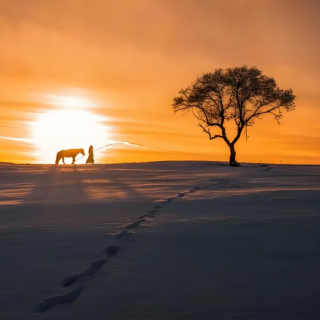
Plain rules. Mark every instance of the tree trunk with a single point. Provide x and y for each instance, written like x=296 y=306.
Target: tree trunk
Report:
x=233 y=161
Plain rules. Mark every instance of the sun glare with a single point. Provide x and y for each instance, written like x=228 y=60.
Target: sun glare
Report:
x=68 y=129
x=67 y=101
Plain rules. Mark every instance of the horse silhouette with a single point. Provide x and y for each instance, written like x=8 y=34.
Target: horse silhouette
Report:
x=71 y=153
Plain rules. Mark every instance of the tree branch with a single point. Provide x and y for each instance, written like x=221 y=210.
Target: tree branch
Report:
x=209 y=133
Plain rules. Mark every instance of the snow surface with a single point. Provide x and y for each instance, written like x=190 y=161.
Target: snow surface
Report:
x=166 y=240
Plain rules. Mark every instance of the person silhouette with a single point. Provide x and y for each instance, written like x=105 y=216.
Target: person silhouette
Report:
x=90 y=157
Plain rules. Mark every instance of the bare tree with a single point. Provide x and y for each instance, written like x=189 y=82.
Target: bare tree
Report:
x=241 y=95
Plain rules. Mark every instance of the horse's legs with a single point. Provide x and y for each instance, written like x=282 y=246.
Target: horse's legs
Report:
x=63 y=160
x=73 y=160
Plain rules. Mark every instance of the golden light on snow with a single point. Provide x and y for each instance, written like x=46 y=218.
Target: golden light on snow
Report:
x=71 y=128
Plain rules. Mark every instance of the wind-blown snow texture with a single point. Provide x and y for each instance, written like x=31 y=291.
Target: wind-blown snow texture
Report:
x=168 y=240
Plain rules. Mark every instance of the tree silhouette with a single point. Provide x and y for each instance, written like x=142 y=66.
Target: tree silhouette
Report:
x=242 y=95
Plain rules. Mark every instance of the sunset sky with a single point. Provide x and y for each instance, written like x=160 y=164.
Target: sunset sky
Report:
x=81 y=72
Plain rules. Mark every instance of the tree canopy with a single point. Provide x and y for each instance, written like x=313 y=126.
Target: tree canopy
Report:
x=241 y=94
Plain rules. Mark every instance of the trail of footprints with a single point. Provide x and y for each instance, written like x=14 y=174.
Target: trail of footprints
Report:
x=110 y=251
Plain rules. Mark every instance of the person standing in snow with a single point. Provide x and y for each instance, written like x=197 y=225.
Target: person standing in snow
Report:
x=90 y=157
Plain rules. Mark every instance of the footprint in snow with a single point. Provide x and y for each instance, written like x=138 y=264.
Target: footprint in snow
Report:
x=123 y=235
x=112 y=250
x=134 y=224
x=49 y=303
x=93 y=269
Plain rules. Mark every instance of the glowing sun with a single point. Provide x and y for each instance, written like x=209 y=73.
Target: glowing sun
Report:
x=68 y=129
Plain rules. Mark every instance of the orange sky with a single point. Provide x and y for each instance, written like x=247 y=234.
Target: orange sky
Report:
x=129 y=58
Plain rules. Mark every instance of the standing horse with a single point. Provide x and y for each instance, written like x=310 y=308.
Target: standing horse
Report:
x=71 y=153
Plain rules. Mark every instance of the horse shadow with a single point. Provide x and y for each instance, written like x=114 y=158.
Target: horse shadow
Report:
x=58 y=185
